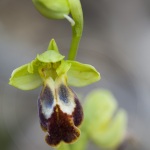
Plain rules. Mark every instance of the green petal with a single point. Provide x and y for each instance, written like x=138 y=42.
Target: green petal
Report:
x=63 y=67
x=82 y=74
x=33 y=66
x=50 y=56
x=24 y=80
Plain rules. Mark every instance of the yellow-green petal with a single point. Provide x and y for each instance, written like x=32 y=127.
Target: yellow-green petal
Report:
x=82 y=74
x=63 y=67
x=33 y=66
x=24 y=80
x=50 y=56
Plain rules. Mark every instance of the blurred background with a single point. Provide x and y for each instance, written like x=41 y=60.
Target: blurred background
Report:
x=116 y=40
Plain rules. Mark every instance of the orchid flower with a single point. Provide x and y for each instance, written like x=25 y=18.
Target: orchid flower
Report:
x=60 y=111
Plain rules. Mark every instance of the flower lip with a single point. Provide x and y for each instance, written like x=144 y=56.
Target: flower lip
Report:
x=61 y=129
x=62 y=112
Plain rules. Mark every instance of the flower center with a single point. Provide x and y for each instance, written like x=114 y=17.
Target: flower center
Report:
x=48 y=70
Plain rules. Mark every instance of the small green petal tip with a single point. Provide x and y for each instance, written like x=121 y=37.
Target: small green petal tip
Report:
x=53 y=9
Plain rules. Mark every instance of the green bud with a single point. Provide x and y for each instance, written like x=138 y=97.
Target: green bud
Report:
x=54 y=9
x=105 y=124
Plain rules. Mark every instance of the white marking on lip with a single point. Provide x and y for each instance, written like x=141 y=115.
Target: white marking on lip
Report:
x=67 y=107
x=47 y=111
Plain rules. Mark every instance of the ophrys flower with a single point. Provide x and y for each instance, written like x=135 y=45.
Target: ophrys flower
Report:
x=60 y=111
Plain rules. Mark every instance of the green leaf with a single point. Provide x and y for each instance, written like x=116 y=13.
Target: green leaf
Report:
x=53 y=46
x=82 y=74
x=24 y=80
x=50 y=56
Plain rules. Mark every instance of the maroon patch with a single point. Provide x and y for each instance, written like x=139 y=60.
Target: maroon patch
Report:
x=78 y=113
x=61 y=128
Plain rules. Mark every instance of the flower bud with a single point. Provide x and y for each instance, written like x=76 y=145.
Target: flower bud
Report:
x=54 y=9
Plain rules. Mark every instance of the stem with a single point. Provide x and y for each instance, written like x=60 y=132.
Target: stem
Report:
x=74 y=47
x=77 y=15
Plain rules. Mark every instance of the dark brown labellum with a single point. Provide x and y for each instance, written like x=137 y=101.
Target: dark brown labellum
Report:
x=60 y=114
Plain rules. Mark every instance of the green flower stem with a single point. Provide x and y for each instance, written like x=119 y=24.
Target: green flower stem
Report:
x=77 y=15
x=74 y=47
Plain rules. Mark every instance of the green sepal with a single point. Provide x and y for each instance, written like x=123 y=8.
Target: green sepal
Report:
x=53 y=9
x=50 y=56
x=81 y=74
x=24 y=80
x=53 y=46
